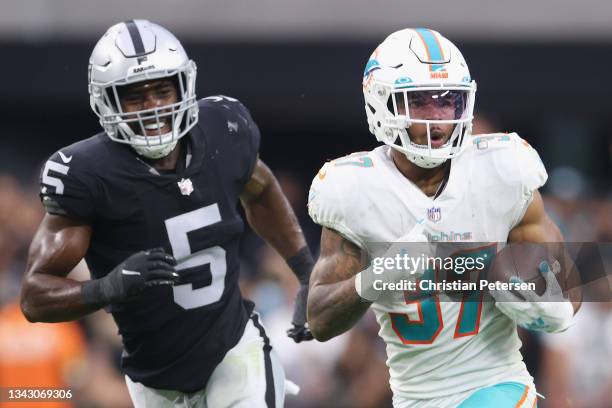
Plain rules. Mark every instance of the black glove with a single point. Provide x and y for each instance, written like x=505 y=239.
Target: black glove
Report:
x=300 y=331
x=301 y=264
x=130 y=278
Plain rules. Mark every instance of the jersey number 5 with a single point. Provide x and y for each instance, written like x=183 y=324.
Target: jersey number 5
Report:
x=54 y=181
x=178 y=227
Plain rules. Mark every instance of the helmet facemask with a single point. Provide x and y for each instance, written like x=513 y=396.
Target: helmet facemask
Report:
x=444 y=116
x=134 y=128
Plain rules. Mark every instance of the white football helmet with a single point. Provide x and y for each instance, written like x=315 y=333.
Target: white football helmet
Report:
x=135 y=51
x=410 y=68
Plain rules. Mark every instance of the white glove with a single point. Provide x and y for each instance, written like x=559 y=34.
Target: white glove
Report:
x=550 y=312
x=418 y=245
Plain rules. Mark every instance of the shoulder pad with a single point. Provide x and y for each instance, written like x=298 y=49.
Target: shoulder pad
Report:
x=232 y=110
x=514 y=160
x=238 y=133
x=67 y=186
x=492 y=141
x=334 y=189
x=507 y=166
x=222 y=102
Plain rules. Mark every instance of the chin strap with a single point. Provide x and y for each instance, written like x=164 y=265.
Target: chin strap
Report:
x=155 y=152
x=425 y=162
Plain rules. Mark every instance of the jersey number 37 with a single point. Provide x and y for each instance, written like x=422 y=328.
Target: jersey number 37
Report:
x=430 y=322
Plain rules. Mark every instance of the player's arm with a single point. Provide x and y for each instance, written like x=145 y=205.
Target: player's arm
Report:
x=537 y=227
x=47 y=295
x=269 y=212
x=270 y=215
x=333 y=303
x=550 y=312
x=59 y=244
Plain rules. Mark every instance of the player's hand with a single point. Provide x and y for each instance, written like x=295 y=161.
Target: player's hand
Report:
x=300 y=331
x=130 y=278
x=414 y=244
x=549 y=312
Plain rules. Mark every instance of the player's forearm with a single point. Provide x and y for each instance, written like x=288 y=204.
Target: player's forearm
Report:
x=47 y=298
x=333 y=308
x=537 y=227
x=273 y=219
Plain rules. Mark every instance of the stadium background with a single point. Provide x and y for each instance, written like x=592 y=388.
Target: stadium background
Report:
x=542 y=70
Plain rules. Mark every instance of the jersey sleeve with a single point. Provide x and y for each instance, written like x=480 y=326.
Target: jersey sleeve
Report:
x=532 y=174
x=65 y=189
x=327 y=201
x=243 y=135
x=252 y=136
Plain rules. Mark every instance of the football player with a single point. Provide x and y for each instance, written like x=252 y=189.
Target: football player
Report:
x=150 y=203
x=429 y=178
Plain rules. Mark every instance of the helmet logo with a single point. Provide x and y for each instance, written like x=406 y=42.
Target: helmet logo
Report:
x=136 y=70
x=371 y=66
x=438 y=75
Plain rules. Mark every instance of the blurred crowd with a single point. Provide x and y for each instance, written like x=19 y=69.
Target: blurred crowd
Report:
x=82 y=356
x=572 y=369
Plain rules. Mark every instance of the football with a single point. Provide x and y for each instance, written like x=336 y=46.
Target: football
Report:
x=522 y=260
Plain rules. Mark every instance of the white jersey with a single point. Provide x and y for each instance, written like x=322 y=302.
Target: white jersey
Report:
x=435 y=347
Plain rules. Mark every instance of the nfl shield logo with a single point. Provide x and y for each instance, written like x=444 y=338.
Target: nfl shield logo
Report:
x=434 y=214
x=186 y=186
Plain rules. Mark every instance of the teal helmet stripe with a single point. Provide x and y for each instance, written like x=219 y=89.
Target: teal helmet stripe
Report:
x=433 y=48
x=371 y=66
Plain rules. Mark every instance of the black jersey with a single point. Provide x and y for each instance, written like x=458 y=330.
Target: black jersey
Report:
x=173 y=337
